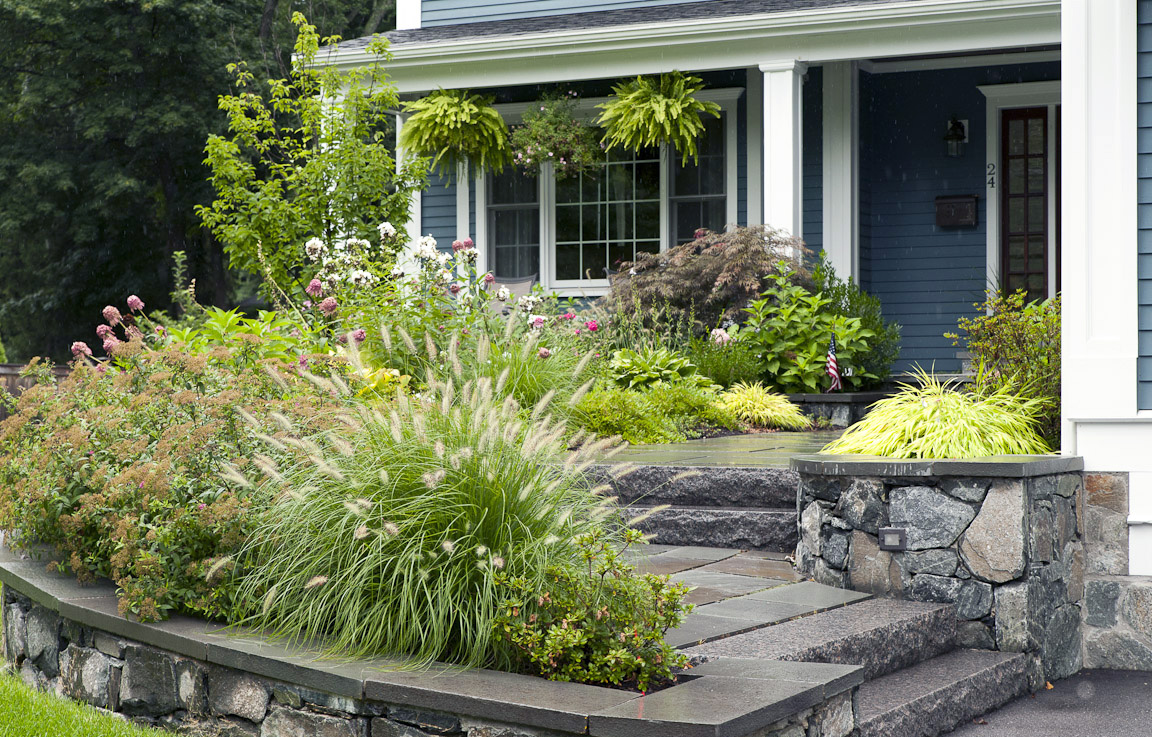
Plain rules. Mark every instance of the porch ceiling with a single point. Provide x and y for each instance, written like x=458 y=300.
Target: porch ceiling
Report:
x=811 y=30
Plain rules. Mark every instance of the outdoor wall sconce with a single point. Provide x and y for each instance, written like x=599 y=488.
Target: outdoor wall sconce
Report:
x=956 y=137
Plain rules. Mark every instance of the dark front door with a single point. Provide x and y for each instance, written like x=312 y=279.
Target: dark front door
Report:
x=1027 y=241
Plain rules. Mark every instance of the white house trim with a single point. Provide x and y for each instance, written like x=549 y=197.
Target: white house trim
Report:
x=783 y=145
x=1099 y=222
x=1004 y=97
x=814 y=34
x=408 y=16
x=463 y=211
x=754 y=114
x=962 y=62
x=415 y=214
x=841 y=148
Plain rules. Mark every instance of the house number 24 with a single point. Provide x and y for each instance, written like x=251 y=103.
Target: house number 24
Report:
x=992 y=176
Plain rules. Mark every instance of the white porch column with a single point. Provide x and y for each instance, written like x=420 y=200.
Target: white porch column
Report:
x=783 y=144
x=842 y=167
x=1100 y=338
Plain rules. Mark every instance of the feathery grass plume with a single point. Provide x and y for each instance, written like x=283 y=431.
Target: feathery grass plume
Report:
x=483 y=349
x=430 y=347
x=267 y=466
x=248 y=417
x=935 y=421
x=401 y=591
x=284 y=423
x=230 y=473
x=217 y=567
x=268 y=599
x=342 y=446
x=542 y=404
x=756 y=405
x=386 y=337
x=454 y=357
x=406 y=339
x=276 y=377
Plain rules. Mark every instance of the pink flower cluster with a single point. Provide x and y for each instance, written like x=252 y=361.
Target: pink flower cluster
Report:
x=464 y=245
x=314 y=288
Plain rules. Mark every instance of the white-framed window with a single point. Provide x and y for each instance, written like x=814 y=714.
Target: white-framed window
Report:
x=572 y=233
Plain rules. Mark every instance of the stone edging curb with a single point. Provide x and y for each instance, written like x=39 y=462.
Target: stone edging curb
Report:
x=1006 y=466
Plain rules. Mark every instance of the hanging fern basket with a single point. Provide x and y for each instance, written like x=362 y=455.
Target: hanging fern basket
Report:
x=456 y=126
x=551 y=133
x=649 y=111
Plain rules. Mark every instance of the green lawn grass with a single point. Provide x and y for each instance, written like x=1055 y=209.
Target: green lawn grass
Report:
x=28 y=713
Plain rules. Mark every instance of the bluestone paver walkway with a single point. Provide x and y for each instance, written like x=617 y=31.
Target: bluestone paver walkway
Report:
x=767 y=450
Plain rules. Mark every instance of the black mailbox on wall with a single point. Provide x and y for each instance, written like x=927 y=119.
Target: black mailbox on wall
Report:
x=956 y=211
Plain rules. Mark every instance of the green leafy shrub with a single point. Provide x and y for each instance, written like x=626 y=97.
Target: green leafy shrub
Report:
x=1016 y=344
x=650 y=111
x=313 y=160
x=250 y=341
x=754 y=404
x=632 y=369
x=454 y=126
x=704 y=283
x=390 y=536
x=846 y=299
x=610 y=410
x=550 y=132
x=602 y=624
x=934 y=420
x=692 y=408
x=725 y=361
x=791 y=327
x=124 y=471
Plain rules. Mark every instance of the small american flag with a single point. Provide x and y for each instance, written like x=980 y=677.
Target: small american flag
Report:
x=832 y=368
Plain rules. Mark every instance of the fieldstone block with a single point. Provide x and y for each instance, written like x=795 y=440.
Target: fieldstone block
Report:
x=872 y=569
x=1068 y=485
x=1106 y=527
x=817 y=487
x=966 y=489
x=1047 y=592
x=1105 y=560
x=933 y=519
x=109 y=645
x=835 y=547
x=42 y=640
x=75 y=633
x=975 y=636
x=993 y=546
x=974 y=600
x=286 y=696
x=192 y=686
x=861 y=506
x=282 y=722
x=431 y=722
x=811 y=525
x=237 y=694
x=15 y=644
x=387 y=728
x=1107 y=490
x=1013 y=633
x=1060 y=643
x=938 y=562
x=85 y=675
x=1042 y=533
x=827 y=575
x=942 y=589
x=834 y=718
x=1042 y=487
x=148 y=684
x=1065 y=522
x=1101 y=603
x=1074 y=563
x=1138 y=609
x=1113 y=649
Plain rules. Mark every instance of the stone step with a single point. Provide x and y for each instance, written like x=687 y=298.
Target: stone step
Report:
x=704 y=486
x=743 y=528
x=882 y=635
x=938 y=695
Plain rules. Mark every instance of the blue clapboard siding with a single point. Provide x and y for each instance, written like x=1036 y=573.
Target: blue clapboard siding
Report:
x=1144 y=193
x=927 y=277
x=449 y=12
x=813 y=159
x=438 y=211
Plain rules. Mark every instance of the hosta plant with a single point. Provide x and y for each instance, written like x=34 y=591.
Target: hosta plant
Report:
x=935 y=420
x=756 y=405
x=454 y=126
x=641 y=368
x=649 y=111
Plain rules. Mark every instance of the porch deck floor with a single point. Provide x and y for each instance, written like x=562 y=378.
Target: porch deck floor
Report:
x=763 y=450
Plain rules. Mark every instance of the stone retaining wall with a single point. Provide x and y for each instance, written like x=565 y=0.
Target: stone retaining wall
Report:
x=999 y=538
x=245 y=686
x=837 y=410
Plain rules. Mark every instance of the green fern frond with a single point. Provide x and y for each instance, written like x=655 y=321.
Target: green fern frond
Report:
x=647 y=112
x=453 y=126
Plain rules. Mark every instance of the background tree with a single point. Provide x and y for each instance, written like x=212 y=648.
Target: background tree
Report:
x=105 y=106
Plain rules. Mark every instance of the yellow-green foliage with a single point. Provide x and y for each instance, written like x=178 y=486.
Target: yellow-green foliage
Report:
x=452 y=126
x=647 y=112
x=754 y=404
x=935 y=421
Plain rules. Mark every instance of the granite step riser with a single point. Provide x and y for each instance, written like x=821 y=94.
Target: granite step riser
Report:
x=947 y=708
x=704 y=487
x=745 y=529
x=888 y=649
